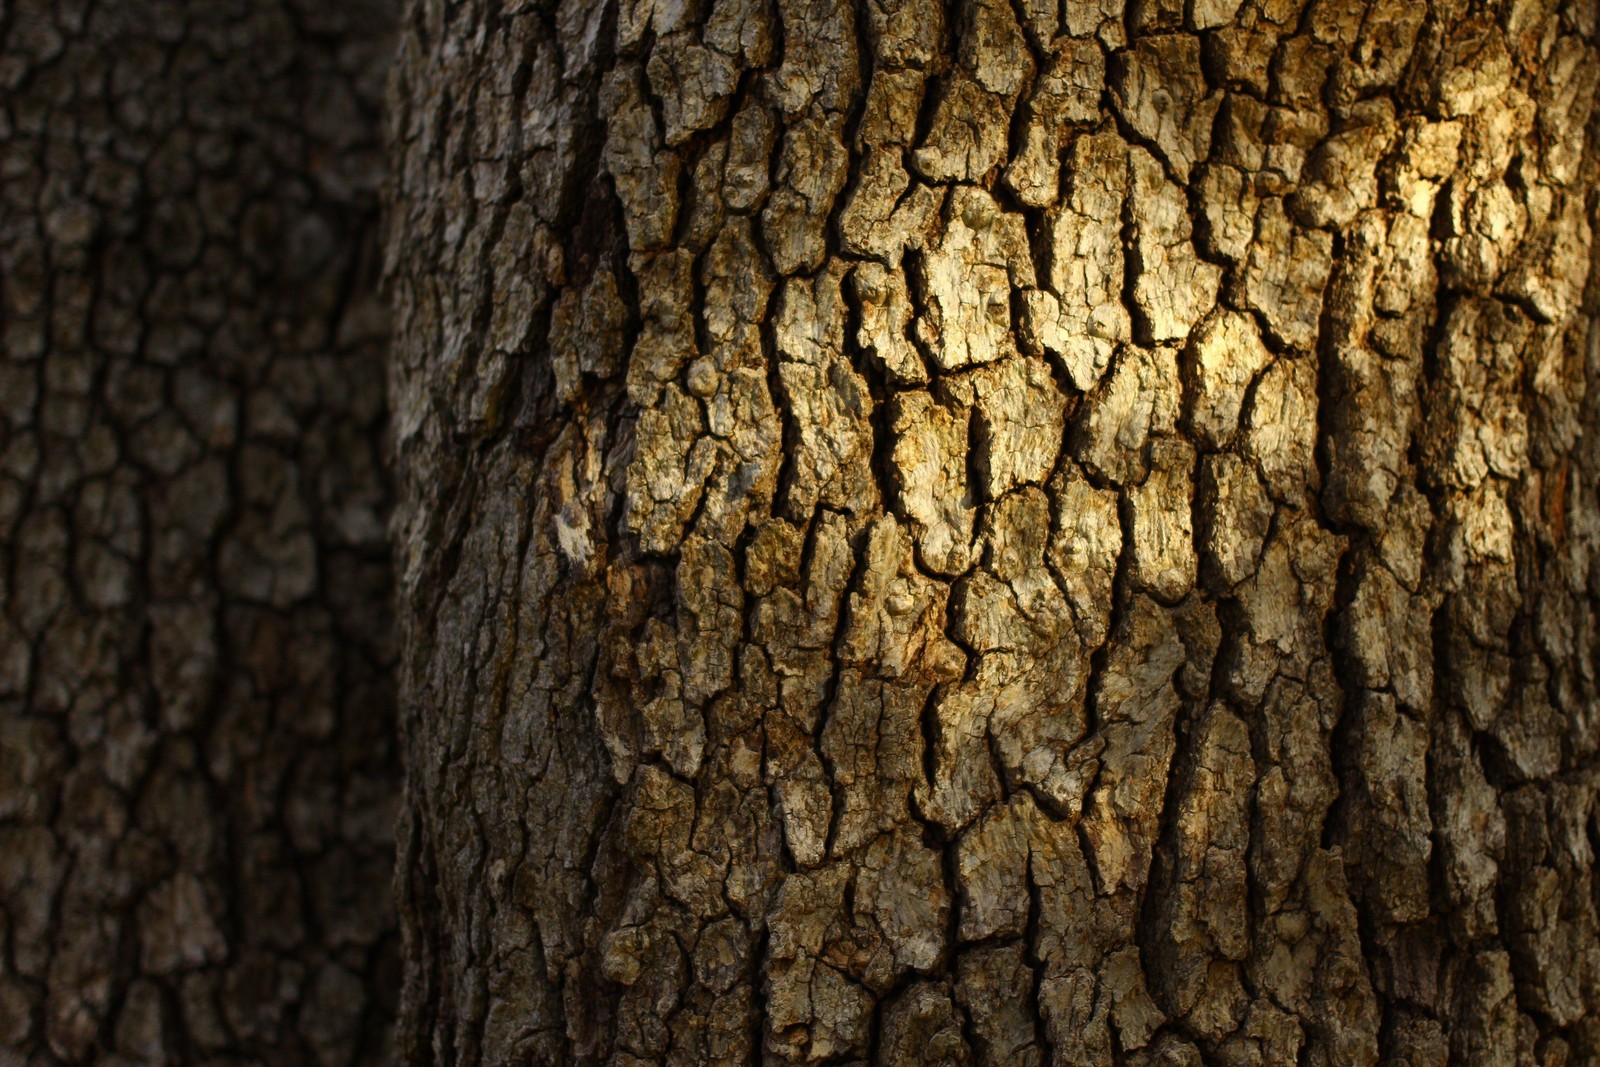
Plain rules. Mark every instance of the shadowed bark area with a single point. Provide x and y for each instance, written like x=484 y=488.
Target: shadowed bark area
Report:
x=197 y=774
x=998 y=533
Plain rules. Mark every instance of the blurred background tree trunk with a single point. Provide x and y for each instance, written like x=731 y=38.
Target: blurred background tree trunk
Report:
x=197 y=771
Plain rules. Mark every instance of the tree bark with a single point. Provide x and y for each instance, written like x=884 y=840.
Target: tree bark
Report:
x=999 y=533
x=197 y=775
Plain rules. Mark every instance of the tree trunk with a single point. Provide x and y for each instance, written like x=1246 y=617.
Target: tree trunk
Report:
x=998 y=535
x=197 y=778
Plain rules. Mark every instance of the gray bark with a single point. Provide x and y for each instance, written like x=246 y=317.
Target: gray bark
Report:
x=998 y=533
x=197 y=774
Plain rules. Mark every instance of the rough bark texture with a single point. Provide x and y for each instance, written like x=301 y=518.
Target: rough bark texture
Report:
x=998 y=533
x=197 y=777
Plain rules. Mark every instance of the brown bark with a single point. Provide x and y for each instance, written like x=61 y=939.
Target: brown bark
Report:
x=197 y=776
x=998 y=533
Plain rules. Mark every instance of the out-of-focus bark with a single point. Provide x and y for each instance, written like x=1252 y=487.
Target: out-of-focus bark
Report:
x=999 y=532
x=197 y=776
